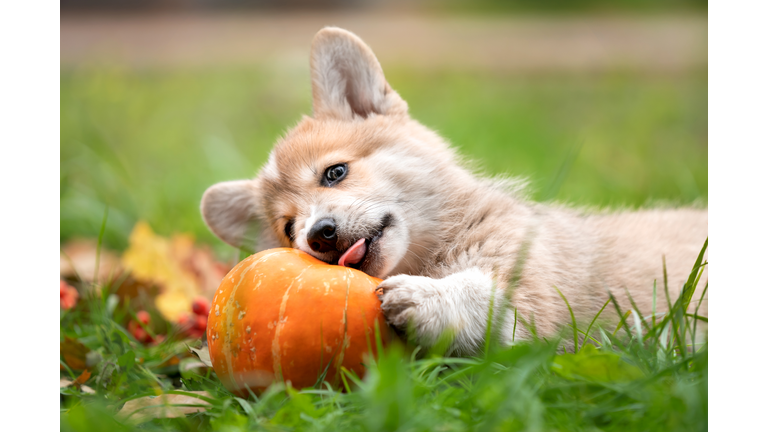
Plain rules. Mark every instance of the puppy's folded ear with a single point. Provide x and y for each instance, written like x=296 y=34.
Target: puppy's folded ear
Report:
x=231 y=211
x=347 y=80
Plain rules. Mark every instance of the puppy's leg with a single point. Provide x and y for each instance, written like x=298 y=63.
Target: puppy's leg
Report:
x=458 y=304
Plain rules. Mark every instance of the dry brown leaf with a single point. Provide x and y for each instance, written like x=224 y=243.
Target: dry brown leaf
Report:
x=74 y=353
x=194 y=364
x=82 y=378
x=78 y=261
x=203 y=354
x=164 y=406
x=64 y=382
x=132 y=288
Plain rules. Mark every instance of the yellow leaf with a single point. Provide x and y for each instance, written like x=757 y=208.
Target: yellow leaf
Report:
x=173 y=304
x=157 y=259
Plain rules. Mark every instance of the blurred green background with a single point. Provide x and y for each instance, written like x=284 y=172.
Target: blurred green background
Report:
x=147 y=140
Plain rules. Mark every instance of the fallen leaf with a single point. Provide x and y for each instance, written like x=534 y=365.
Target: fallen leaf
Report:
x=193 y=364
x=149 y=257
x=180 y=270
x=202 y=354
x=82 y=378
x=64 y=382
x=74 y=353
x=164 y=406
x=132 y=288
x=77 y=260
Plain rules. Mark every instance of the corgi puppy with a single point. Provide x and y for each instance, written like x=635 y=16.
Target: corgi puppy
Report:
x=363 y=185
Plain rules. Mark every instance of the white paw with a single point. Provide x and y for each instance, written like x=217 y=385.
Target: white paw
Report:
x=412 y=302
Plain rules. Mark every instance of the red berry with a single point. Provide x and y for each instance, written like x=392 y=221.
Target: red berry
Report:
x=195 y=333
x=200 y=306
x=201 y=322
x=183 y=321
x=67 y=295
x=140 y=334
x=143 y=316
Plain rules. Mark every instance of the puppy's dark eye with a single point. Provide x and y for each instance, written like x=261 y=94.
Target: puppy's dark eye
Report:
x=334 y=174
x=289 y=230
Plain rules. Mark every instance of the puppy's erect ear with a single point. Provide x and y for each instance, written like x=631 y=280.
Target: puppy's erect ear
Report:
x=231 y=211
x=347 y=80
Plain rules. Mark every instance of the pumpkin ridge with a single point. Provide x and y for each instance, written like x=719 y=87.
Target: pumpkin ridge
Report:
x=229 y=311
x=276 y=357
x=345 y=322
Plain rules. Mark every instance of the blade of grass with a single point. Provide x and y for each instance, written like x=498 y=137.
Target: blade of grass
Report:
x=666 y=283
x=489 y=321
x=573 y=320
x=690 y=284
x=514 y=327
x=621 y=323
x=686 y=295
x=618 y=312
x=344 y=380
x=671 y=311
x=514 y=280
x=696 y=311
x=563 y=171
x=586 y=336
x=698 y=317
x=653 y=306
x=695 y=284
x=638 y=325
x=98 y=246
x=664 y=337
x=637 y=310
x=379 y=341
x=595 y=318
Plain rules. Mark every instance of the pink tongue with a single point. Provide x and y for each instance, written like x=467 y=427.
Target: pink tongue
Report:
x=354 y=254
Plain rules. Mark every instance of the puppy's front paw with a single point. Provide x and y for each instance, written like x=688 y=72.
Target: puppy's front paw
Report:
x=408 y=299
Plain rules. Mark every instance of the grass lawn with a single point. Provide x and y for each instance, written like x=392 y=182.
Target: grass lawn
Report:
x=640 y=375
x=148 y=143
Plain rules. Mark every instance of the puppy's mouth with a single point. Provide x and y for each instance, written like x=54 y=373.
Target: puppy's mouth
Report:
x=363 y=252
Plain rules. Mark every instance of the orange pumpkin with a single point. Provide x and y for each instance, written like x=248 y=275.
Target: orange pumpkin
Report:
x=282 y=315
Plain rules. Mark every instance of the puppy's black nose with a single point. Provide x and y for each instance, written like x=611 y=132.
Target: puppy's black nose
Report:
x=322 y=237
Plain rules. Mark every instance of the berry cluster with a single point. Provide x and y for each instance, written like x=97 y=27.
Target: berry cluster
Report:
x=194 y=325
x=139 y=332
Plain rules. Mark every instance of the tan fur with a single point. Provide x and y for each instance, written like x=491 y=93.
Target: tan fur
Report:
x=454 y=236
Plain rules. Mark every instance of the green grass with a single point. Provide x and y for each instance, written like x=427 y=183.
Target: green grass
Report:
x=643 y=374
x=147 y=144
